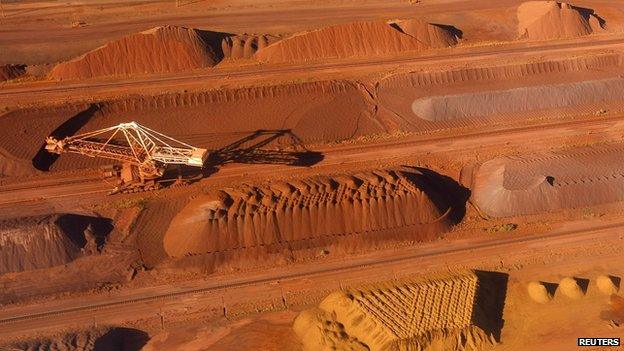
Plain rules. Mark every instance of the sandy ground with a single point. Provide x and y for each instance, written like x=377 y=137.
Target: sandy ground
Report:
x=506 y=123
x=112 y=20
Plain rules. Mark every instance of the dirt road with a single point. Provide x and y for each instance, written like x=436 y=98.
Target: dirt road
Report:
x=229 y=295
x=45 y=33
x=337 y=157
x=39 y=92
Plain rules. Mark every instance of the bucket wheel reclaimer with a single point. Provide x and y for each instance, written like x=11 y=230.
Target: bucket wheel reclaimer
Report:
x=144 y=153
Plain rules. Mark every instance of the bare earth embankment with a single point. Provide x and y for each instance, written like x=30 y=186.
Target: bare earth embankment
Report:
x=381 y=175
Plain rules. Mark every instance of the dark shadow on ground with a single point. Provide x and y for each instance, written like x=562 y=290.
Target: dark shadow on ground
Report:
x=587 y=13
x=75 y=226
x=214 y=41
x=121 y=339
x=489 y=304
x=43 y=160
x=444 y=192
x=616 y=281
x=551 y=288
x=583 y=284
x=253 y=149
x=456 y=32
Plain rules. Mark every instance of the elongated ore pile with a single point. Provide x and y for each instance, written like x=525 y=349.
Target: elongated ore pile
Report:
x=318 y=212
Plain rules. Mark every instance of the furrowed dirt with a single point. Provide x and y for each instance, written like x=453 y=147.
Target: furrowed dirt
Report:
x=304 y=175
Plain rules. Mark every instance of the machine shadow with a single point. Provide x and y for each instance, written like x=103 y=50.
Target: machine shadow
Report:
x=249 y=150
x=252 y=149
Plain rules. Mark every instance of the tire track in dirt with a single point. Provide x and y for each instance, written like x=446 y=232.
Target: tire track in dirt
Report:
x=11 y=96
x=335 y=156
x=589 y=235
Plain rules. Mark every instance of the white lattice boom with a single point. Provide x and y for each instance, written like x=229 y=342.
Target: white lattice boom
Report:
x=133 y=143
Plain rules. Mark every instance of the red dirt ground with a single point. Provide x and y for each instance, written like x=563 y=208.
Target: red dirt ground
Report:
x=350 y=143
x=161 y=49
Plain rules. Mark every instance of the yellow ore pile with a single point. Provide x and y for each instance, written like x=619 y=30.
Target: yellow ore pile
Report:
x=415 y=315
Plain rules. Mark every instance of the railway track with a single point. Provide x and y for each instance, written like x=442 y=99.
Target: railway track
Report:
x=590 y=234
